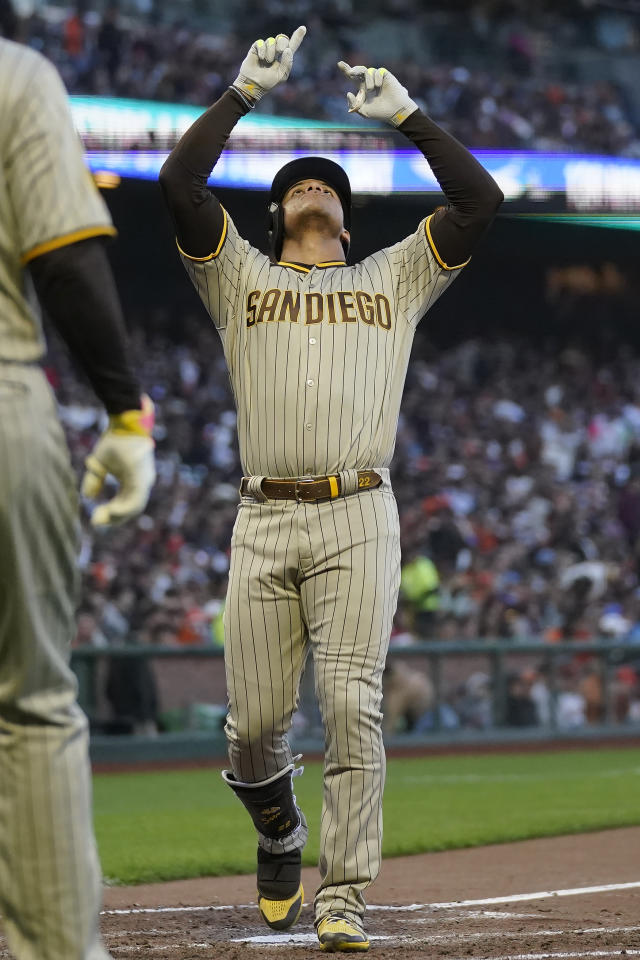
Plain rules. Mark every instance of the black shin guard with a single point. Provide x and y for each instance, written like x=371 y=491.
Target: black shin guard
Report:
x=271 y=803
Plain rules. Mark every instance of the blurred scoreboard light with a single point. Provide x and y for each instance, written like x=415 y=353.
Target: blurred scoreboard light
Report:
x=131 y=139
x=611 y=221
x=114 y=123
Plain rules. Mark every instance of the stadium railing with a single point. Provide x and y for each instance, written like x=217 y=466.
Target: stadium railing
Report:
x=189 y=685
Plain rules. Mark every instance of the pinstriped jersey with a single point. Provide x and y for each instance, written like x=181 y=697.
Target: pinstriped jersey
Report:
x=317 y=356
x=47 y=196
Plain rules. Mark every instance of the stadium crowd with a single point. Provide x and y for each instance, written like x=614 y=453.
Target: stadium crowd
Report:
x=496 y=72
x=517 y=472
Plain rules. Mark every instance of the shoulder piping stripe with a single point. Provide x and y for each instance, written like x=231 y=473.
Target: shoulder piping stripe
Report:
x=445 y=266
x=209 y=256
x=66 y=239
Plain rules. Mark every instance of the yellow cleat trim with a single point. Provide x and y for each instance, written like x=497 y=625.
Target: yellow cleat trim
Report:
x=281 y=914
x=339 y=935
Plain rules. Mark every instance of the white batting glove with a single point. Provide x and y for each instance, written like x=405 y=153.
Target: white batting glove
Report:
x=125 y=450
x=380 y=95
x=267 y=64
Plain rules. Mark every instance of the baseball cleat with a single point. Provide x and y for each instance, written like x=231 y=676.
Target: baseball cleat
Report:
x=338 y=933
x=280 y=893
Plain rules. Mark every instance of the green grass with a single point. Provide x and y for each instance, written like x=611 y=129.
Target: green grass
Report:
x=164 y=826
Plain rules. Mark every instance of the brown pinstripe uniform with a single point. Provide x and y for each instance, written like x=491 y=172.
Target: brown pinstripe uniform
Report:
x=49 y=871
x=317 y=359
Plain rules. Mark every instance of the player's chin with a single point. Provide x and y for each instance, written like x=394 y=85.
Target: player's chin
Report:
x=315 y=215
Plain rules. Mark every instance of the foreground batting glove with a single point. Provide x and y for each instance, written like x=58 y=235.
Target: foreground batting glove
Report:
x=380 y=95
x=125 y=450
x=267 y=64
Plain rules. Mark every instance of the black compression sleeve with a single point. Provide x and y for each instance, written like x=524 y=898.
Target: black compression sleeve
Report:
x=196 y=213
x=76 y=288
x=472 y=194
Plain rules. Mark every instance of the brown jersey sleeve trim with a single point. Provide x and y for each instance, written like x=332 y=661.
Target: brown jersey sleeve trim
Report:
x=445 y=266
x=67 y=238
x=210 y=256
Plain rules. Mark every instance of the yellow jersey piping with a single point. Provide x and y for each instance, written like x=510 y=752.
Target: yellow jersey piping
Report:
x=294 y=266
x=298 y=266
x=445 y=266
x=66 y=239
x=209 y=256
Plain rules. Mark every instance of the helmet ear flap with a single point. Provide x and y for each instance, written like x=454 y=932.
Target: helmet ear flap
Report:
x=275 y=229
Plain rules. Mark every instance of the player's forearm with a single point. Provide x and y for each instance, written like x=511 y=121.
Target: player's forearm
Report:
x=196 y=213
x=73 y=284
x=472 y=193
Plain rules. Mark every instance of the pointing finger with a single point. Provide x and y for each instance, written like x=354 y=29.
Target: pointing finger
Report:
x=354 y=73
x=286 y=59
x=297 y=37
x=270 y=54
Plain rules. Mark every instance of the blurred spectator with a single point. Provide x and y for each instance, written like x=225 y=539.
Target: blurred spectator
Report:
x=591 y=689
x=541 y=695
x=499 y=539
x=131 y=692
x=473 y=704
x=109 y=43
x=520 y=708
x=511 y=532
x=88 y=633
x=498 y=75
x=419 y=585
x=407 y=696
x=570 y=702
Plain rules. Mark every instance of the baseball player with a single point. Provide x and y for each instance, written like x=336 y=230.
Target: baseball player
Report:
x=317 y=352
x=52 y=227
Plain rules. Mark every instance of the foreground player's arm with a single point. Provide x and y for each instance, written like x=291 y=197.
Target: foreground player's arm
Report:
x=76 y=287
x=473 y=195
x=197 y=215
x=62 y=221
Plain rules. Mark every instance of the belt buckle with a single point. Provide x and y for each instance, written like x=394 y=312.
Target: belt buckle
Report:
x=300 y=480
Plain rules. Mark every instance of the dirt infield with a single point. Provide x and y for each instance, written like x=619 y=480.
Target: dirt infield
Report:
x=463 y=904
x=567 y=897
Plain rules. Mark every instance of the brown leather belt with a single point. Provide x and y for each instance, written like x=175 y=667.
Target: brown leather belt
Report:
x=314 y=488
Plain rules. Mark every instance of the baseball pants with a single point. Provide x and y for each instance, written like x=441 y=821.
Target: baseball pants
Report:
x=50 y=885
x=323 y=577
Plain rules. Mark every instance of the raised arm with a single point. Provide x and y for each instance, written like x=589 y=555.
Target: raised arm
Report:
x=196 y=213
x=473 y=196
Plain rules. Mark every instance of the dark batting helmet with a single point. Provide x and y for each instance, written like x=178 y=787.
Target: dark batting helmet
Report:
x=305 y=168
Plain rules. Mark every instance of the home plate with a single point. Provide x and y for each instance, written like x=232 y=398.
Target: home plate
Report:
x=275 y=939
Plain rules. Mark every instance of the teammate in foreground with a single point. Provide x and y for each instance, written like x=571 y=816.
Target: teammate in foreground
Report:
x=52 y=226
x=317 y=352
